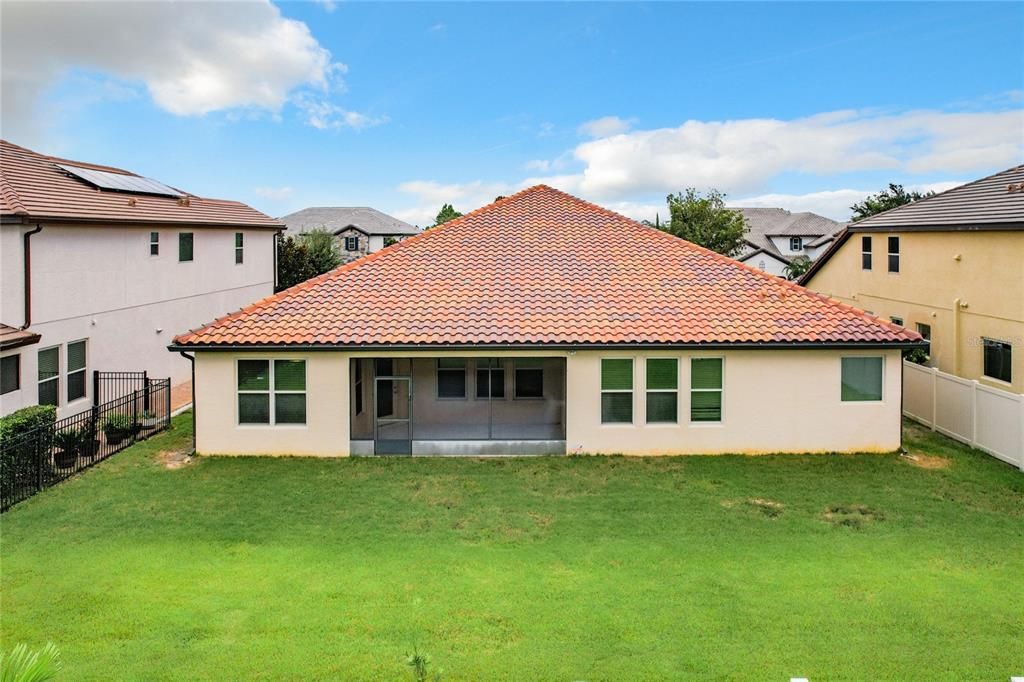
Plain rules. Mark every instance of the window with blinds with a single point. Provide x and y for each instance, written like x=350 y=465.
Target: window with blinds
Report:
x=239 y=248
x=861 y=379
x=662 y=391
x=184 y=247
x=616 y=391
x=706 y=389
x=271 y=392
x=49 y=376
x=76 y=363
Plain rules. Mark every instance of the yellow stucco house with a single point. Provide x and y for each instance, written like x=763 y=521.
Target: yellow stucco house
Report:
x=950 y=267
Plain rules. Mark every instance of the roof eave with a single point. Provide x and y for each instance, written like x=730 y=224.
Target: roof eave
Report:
x=100 y=222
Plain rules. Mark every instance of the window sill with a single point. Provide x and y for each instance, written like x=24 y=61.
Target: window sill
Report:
x=999 y=383
x=706 y=425
x=263 y=427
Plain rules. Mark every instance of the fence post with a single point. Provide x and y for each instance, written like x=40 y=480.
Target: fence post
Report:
x=145 y=386
x=95 y=387
x=1020 y=453
x=935 y=396
x=167 y=411
x=974 y=413
x=39 y=463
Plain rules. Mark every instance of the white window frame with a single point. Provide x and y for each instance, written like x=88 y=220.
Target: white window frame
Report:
x=68 y=371
x=154 y=241
x=647 y=389
x=861 y=402
x=890 y=253
x=270 y=392
x=870 y=252
x=56 y=377
x=988 y=377
x=355 y=243
x=631 y=391
x=896 y=319
x=692 y=390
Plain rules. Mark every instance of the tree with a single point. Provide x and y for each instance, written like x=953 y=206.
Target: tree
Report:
x=705 y=220
x=446 y=213
x=796 y=267
x=886 y=199
x=306 y=256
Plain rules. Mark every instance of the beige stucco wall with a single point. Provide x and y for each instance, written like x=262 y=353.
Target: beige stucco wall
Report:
x=774 y=401
x=965 y=285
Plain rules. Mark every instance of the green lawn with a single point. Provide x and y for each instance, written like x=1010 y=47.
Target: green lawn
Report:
x=553 y=568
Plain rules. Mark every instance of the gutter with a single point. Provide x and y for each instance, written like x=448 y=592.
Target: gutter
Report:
x=749 y=345
x=192 y=361
x=26 y=253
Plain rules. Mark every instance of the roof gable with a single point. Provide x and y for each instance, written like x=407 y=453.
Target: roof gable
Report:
x=543 y=267
x=335 y=218
x=34 y=187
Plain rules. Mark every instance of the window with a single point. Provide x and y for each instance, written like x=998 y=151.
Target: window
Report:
x=862 y=379
x=351 y=243
x=184 y=247
x=662 y=391
x=925 y=330
x=154 y=243
x=998 y=355
x=894 y=254
x=49 y=376
x=796 y=243
x=529 y=378
x=865 y=253
x=616 y=391
x=451 y=378
x=239 y=247
x=896 y=320
x=10 y=374
x=490 y=378
x=760 y=265
x=258 y=403
x=706 y=389
x=76 y=359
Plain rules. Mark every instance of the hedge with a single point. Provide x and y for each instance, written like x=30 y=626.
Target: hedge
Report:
x=18 y=459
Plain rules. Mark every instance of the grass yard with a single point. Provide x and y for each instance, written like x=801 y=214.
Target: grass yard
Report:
x=829 y=567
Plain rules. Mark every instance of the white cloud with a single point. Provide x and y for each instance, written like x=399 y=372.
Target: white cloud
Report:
x=274 y=193
x=834 y=204
x=328 y=5
x=744 y=155
x=604 y=127
x=323 y=114
x=192 y=58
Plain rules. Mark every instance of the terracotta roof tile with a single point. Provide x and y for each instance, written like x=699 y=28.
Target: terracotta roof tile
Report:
x=33 y=187
x=542 y=266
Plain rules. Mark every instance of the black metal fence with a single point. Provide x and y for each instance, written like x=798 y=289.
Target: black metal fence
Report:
x=107 y=386
x=46 y=456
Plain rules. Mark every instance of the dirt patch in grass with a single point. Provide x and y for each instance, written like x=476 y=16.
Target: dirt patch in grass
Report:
x=854 y=516
x=923 y=461
x=174 y=459
x=769 y=508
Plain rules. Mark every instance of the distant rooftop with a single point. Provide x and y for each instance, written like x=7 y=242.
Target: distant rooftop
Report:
x=778 y=222
x=337 y=218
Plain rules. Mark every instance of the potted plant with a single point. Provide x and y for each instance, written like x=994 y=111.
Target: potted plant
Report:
x=68 y=443
x=117 y=427
x=149 y=420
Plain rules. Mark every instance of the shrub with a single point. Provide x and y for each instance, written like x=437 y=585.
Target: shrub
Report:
x=22 y=665
x=23 y=434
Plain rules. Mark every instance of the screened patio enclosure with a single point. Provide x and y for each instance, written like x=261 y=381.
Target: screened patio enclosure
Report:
x=457 y=406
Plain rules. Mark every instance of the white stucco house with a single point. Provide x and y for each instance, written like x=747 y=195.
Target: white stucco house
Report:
x=543 y=324
x=358 y=230
x=100 y=266
x=777 y=236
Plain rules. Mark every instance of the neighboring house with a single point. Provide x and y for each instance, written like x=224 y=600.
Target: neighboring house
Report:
x=100 y=266
x=359 y=230
x=777 y=236
x=545 y=324
x=950 y=267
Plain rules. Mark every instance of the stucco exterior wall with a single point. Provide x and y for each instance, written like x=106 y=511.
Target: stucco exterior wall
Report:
x=773 y=401
x=101 y=284
x=965 y=285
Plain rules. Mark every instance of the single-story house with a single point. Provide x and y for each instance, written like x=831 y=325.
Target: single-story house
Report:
x=358 y=230
x=775 y=237
x=543 y=324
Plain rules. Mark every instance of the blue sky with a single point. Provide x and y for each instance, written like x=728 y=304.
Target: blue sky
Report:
x=403 y=106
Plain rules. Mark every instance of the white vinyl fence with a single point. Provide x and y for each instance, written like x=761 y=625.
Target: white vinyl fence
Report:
x=985 y=418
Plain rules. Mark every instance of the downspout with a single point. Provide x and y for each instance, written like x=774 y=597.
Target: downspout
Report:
x=192 y=361
x=277 y=247
x=26 y=253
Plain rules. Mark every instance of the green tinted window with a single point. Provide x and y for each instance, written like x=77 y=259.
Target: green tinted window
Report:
x=706 y=373
x=253 y=375
x=616 y=374
x=662 y=374
x=49 y=363
x=662 y=407
x=289 y=375
x=290 y=408
x=253 y=408
x=76 y=356
x=706 y=406
x=862 y=379
x=184 y=246
x=616 y=408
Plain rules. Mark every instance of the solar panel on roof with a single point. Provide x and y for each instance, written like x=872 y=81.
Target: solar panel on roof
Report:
x=118 y=182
